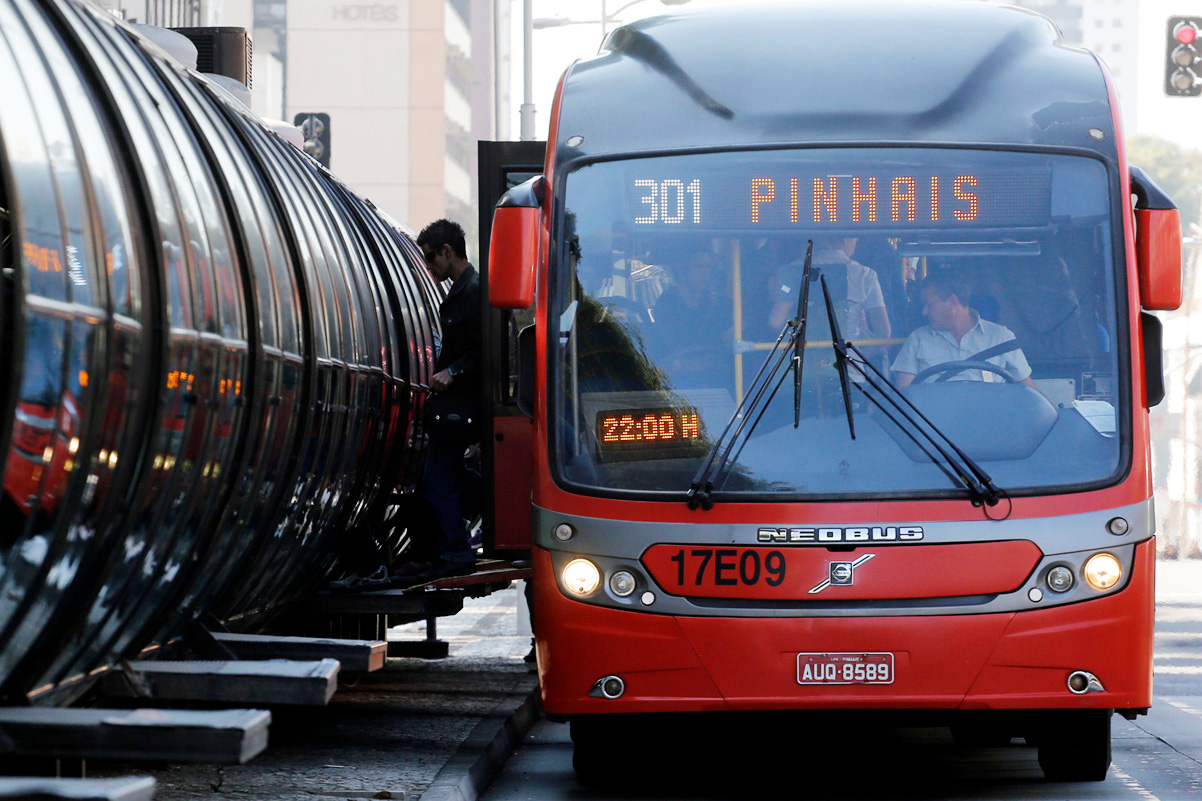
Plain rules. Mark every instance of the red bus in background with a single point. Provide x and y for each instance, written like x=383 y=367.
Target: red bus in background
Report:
x=740 y=498
x=39 y=458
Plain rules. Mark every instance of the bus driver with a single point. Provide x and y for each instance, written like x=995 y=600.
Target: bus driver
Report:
x=955 y=332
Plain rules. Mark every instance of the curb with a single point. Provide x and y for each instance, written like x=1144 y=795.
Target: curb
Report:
x=481 y=756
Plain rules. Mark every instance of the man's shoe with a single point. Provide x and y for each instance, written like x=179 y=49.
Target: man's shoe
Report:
x=358 y=582
x=413 y=570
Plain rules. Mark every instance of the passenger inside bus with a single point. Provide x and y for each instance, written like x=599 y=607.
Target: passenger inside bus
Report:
x=693 y=323
x=855 y=289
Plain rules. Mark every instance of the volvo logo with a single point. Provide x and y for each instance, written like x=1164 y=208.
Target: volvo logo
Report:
x=842 y=574
x=823 y=536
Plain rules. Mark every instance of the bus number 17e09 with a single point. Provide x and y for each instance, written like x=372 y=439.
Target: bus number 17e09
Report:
x=728 y=567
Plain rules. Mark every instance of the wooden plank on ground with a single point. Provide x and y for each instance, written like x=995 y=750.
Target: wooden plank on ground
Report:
x=129 y=788
x=231 y=736
x=257 y=683
x=360 y=655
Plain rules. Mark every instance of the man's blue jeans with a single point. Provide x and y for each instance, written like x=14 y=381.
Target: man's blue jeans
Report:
x=446 y=479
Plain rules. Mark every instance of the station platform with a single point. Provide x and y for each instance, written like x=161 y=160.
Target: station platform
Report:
x=371 y=614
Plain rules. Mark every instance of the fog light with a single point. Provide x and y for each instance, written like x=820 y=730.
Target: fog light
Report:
x=622 y=583
x=1118 y=526
x=610 y=687
x=1081 y=682
x=581 y=576
x=1060 y=579
x=1103 y=571
x=563 y=532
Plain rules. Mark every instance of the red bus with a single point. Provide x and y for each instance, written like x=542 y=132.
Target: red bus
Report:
x=839 y=376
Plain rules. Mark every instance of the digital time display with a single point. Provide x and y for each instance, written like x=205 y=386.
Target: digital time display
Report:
x=649 y=433
x=865 y=198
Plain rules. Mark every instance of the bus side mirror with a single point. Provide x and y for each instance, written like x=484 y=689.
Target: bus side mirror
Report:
x=1157 y=244
x=513 y=246
x=1153 y=336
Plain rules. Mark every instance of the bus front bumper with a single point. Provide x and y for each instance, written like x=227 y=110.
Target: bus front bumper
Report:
x=965 y=662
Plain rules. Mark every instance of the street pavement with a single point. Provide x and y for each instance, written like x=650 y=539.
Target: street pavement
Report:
x=416 y=729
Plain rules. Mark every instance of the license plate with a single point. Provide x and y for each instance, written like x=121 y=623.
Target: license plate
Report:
x=858 y=668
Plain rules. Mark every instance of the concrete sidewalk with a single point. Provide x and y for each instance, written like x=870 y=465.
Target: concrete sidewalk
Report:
x=436 y=730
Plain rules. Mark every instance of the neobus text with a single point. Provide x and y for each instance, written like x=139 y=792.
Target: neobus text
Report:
x=831 y=535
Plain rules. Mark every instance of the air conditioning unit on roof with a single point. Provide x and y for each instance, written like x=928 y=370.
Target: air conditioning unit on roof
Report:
x=222 y=51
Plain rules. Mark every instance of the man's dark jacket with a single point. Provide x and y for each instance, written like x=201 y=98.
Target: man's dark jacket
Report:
x=461 y=334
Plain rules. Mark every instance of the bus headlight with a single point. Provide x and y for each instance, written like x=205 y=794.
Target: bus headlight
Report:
x=1060 y=579
x=1103 y=571
x=581 y=577
x=622 y=583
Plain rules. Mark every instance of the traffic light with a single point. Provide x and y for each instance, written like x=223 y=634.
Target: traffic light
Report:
x=315 y=126
x=1182 y=58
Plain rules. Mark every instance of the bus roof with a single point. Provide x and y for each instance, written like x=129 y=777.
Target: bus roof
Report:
x=814 y=72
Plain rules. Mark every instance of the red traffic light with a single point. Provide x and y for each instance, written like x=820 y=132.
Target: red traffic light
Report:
x=1182 y=59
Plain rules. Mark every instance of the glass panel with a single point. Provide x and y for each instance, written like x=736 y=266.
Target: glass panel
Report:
x=681 y=272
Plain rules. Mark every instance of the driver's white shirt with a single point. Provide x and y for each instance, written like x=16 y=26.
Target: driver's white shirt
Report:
x=926 y=347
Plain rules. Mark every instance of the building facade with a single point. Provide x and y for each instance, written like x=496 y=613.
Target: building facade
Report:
x=167 y=13
x=408 y=87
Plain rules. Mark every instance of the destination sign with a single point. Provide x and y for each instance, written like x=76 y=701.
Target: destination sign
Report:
x=866 y=199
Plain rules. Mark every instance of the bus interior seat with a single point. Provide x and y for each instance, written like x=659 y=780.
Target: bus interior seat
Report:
x=1035 y=298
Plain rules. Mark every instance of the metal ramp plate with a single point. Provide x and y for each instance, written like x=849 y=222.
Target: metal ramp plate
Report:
x=230 y=736
x=257 y=683
x=394 y=603
x=132 y=788
x=360 y=655
x=438 y=598
x=488 y=575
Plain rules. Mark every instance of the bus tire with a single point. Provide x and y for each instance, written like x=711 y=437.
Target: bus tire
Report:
x=593 y=730
x=591 y=766
x=1074 y=746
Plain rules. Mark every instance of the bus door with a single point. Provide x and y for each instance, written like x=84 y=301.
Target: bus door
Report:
x=506 y=445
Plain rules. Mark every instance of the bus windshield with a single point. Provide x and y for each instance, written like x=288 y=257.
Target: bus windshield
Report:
x=981 y=283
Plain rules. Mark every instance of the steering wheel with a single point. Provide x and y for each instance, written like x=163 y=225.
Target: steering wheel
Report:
x=967 y=364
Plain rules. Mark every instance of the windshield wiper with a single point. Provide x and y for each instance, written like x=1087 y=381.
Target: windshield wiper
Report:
x=957 y=465
x=967 y=474
x=799 y=341
x=841 y=358
x=701 y=489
